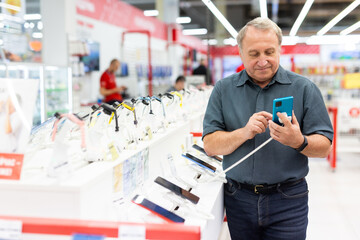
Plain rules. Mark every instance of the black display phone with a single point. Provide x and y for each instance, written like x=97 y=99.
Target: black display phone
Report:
x=199 y=162
x=177 y=190
x=157 y=210
x=197 y=147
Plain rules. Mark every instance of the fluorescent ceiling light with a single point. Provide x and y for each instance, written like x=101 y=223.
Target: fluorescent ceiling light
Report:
x=289 y=40
x=350 y=29
x=195 y=31
x=182 y=20
x=230 y=41
x=263 y=9
x=37 y=35
x=10 y=6
x=221 y=18
x=301 y=17
x=209 y=42
x=151 y=13
x=340 y=16
x=34 y=16
x=333 y=39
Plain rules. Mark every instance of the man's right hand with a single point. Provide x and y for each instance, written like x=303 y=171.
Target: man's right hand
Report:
x=257 y=123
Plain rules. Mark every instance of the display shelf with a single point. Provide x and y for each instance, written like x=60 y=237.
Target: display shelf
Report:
x=88 y=193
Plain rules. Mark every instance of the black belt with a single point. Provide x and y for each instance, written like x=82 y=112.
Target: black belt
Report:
x=267 y=188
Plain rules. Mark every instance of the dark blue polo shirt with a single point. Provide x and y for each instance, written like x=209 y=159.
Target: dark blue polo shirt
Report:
x=236 y=98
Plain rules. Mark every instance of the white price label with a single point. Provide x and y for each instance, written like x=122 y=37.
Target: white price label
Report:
x=132 y=232
x=10 y=229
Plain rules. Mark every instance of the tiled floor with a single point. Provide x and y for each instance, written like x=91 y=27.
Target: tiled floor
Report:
x=334 y=199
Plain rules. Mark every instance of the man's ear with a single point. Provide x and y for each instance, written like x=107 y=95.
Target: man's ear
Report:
x=240 y=54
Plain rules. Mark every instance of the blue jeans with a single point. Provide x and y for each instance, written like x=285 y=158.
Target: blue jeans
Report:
x=280 y=215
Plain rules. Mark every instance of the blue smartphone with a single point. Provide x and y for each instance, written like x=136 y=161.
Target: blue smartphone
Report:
x=157 y=210
x=282 y=105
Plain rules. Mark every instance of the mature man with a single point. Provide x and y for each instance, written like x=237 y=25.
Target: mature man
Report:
x=108 y=87
x=266 y=196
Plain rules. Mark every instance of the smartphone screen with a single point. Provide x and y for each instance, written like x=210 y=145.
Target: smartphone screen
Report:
x=199 y=162
x=282 y=105
x=177 y=190
x=157 y=210
x=197 y=147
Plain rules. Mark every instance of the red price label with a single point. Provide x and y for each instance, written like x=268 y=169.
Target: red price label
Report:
x=10 y=165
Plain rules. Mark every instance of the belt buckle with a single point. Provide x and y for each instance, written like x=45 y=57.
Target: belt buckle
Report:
x=257 y=186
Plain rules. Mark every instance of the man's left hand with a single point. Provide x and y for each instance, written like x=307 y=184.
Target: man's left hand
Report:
x=289 y=134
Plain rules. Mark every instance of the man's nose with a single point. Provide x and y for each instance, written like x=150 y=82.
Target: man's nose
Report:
x=262 y=62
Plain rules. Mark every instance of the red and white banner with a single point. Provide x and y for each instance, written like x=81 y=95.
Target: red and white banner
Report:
x=121 y=14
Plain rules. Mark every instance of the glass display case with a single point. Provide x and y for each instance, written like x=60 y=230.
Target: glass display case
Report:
x=55 y=87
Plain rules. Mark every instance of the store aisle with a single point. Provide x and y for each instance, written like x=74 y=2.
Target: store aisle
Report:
x=334 y=199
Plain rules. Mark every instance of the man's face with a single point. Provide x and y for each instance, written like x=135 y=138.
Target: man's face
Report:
x=260 y=54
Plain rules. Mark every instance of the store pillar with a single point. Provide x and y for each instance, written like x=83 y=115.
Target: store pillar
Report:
x=58 y=17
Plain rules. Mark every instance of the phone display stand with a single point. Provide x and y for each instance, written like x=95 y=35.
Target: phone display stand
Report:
x=185 y=208
x=188 y=182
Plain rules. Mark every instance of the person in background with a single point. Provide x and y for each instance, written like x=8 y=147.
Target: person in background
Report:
x=108 y=87
x=202 y=70
x=266 y=196
x=179 y=84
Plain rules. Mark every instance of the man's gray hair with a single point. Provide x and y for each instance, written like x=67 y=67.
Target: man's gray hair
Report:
x=259 y=23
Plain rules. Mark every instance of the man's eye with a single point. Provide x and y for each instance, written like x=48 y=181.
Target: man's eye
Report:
x=254 y=54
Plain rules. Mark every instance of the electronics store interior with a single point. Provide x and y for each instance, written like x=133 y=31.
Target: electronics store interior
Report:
x=179 y=119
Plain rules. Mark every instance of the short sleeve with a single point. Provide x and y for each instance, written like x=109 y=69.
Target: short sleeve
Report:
x=316 y=119
x=104 y=80
x=214 y=119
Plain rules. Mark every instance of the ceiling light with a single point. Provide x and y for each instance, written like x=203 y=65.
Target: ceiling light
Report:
x=230 y=41
x=350 y=29
x=340 y=16
x=10 y=6
x=301 y=17
x=221 y=18
x=34 y=16
x=263 y=8
x=209 y=42
x=195 y=31
x=37 y=35
x=182 y=20
x=151 y=13
x=40 y=25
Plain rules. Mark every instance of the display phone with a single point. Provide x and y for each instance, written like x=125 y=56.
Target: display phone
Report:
x=177 y=190
x=197 y=147
x=282 y=105
x=199 y=162
x=157 y=210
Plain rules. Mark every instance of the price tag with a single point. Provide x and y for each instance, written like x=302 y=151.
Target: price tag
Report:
x=10 y=229
x=132 y=232
x=149 y=132
x=114 y=153
x=11 y=165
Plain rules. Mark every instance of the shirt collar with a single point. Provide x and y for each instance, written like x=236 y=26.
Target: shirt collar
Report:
x=280 y=77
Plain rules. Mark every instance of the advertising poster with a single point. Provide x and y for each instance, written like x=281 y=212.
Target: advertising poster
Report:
x=17 y=102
